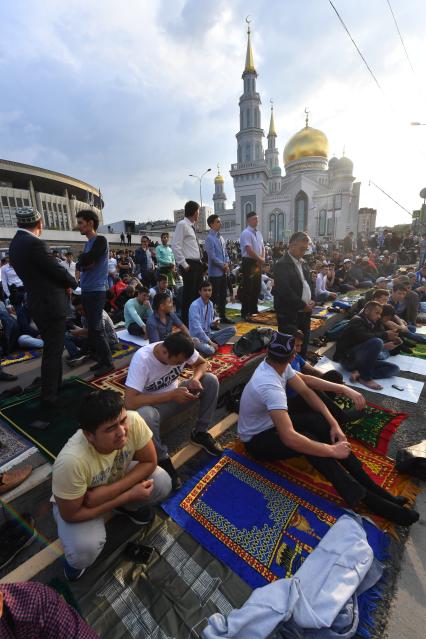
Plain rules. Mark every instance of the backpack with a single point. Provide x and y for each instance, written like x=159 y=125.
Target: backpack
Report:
x=253 y=341
x=335 y=331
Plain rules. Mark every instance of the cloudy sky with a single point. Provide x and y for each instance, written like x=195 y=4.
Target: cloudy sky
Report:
x=133 y=96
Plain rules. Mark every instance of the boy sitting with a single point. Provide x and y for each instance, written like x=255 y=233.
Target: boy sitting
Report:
x=109 y=464
x=162 y=320
x=137 y=311
x=203 y=326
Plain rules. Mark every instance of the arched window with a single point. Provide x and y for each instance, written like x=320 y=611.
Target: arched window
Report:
x=322 y=220
x=280 y=227
x=247 y=157
x=300 y=212
x=258 y=151
x=248 y=207
x=272 y=228
x=330 y=223
x=248 y=118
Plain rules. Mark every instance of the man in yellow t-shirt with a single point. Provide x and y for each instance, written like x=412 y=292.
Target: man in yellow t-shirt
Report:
x=109 y=464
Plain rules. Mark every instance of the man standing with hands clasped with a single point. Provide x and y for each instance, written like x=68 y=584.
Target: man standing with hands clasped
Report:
x=293 y=288
x=218 y=265
x=253 y=257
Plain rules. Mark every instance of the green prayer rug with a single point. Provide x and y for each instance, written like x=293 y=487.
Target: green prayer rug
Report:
x=20 y=411
x=375 y=428
x=418 y=350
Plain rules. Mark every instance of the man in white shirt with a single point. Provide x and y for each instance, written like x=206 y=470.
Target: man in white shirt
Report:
x=188 y=255
x=322 y=294
x=153 y=389
x=69 y=264
x=253 y=258
x=269 y=433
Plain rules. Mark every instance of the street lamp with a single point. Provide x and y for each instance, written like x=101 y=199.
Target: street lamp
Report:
x=199 y=178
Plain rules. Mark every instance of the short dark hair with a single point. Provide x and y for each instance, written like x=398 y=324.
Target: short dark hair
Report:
x=380 y=292
x=162 y=277
x=388 y=310
x=298 y=237
x=159 y=298
x=164 y=234
x=141 y=289
x=372 y=304
x=89 y=216
x=191 y=208
x=399 y=287
x=98 y=407
x=205 y=283
x=212 y=218
x=179 y=344
x=250 y=214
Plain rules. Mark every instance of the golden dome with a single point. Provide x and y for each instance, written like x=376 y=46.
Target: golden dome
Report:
x=307 y=142
x=219 y=179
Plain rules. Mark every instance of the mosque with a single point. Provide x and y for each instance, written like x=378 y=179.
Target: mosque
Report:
x=316 y=195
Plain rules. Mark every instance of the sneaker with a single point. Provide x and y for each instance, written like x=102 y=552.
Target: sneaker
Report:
x=76 y=360
x=141 y=516
x=15 y=535
x=71 y=573
x=167 y=465
x=206 y=441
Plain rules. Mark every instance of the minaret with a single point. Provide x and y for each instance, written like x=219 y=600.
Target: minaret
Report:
x=219 y=197
x=271 y=153
x=250 y=135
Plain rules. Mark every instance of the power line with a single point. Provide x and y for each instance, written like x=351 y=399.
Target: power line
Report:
x=356 y=46
x=400 y=36
x=390 y=197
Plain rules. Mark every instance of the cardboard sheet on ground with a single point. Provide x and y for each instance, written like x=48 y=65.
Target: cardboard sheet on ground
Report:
x=125 y=336
x=237 y=306
x=410 y=364
x=421 y=330
x=412 y=388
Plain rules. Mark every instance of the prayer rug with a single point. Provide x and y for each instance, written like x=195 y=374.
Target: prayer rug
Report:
x=418 y=350
x=268 y=318
x=124 y=348
x=12 y=445
x=377 y=466
x=375 y=428
x=19 y=356
x=244 y=327
x=21 y=410
x=255 y=520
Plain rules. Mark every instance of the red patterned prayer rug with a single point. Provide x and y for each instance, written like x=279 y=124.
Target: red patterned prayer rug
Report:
x=379 y=467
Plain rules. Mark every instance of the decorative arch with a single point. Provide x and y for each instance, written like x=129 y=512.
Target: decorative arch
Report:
x=272 y=228
x=300 y=212
x=248 y=207
x=322 y=222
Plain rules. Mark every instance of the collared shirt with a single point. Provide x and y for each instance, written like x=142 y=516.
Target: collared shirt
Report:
x=157 y=330
x=185 y=243
x=164 y=255
x=251 y=237
x=149 y=261
x=201 y=316
x=136 y=313
x=215 y=248
x=68 y=266
x=9 y=278
x=306 y=292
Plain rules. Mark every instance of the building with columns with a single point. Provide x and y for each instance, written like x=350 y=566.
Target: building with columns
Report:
x=58 y=197
x=315 y=194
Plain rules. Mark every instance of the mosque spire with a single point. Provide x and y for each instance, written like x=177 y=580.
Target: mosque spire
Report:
x=272 y=130
x=249 y=68
x=307 y=117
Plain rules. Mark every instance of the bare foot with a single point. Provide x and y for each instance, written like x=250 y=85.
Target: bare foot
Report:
x=354 y=376
x=370 y=383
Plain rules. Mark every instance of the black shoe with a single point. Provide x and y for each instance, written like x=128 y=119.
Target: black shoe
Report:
x=15 y=535
x=226 y=320
x=10 y=392
x=141 y=516
x=167 y=465
x=71 y=573
x=102 y=369
x=36 y=383
x=76 y=360
x=6 y=377
x=206 y=441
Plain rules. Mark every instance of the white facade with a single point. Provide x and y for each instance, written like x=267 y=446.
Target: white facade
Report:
x=315 y=195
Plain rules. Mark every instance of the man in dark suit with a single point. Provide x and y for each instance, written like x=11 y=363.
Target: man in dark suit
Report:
x=46 y=284
x=293 y=288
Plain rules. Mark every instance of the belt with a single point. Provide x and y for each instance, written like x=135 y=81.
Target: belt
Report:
x=193 y=261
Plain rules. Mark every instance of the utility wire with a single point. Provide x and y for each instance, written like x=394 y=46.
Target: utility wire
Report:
x=400 y=36
x=356 y=46
x=390 y=197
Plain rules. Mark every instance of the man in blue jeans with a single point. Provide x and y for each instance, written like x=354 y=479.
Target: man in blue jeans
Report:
x=93 y=268
x=359 y=346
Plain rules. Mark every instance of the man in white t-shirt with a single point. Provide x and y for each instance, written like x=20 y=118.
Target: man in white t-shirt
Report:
x=153 y=389
x=268 y=433
x=109 y=464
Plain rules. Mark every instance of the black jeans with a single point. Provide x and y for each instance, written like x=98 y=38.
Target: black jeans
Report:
x=135 y=329
x=301 y=320
x=251 y=286
x=346 y=475
x=219 y=294
x=93 y=304
x=52 y=331
x=191 y=285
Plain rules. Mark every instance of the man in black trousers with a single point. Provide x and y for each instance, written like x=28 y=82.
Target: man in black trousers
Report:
x=187 y=252
x=46 y=284
x=293 y=288
x=253 y=258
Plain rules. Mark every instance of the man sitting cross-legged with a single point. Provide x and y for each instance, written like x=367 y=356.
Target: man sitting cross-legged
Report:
x=153 y=389
x=162 y=320
x=204 y=326
x=109 y=464
x=359 y=346
x=270 y=433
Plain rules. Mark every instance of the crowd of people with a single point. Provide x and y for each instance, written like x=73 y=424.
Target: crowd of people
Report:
x=175 y=297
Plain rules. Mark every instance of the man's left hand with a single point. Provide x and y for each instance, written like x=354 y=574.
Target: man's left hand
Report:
x=195 y=384
x=357 y=398
x=337 y=434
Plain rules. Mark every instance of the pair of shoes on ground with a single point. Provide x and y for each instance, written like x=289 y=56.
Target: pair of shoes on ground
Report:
x=15 y=535
x=141 y=517
x=77 y=360
x=7 y=377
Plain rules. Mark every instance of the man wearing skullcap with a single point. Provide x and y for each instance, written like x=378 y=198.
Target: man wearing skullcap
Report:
x=46 y=284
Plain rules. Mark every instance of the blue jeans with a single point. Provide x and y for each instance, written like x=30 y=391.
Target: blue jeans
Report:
x=415 y=337
x=365 y=358
x=219 y=337
x=93 y=304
